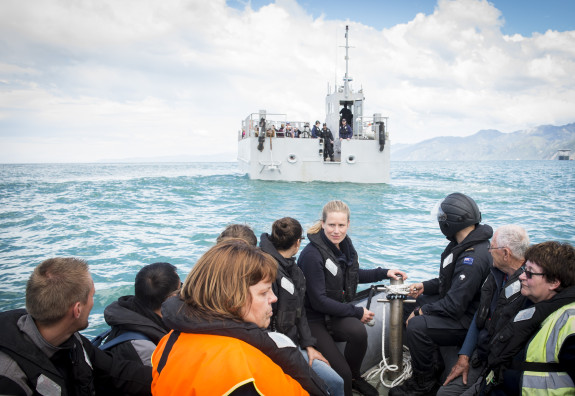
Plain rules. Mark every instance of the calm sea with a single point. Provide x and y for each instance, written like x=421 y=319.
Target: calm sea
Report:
x=121 y=216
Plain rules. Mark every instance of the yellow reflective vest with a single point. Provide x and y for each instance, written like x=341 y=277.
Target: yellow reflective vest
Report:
x=544 y=348
x=204 y=364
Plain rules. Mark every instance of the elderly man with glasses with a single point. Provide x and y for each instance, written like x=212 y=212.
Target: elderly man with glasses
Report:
x=500 y=300
x=534 y=352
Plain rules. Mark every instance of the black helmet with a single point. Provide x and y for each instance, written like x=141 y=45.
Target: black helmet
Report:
x=456 y=212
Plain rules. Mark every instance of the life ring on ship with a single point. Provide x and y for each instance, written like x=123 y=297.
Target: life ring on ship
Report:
x=292 y=158
x=351 y=159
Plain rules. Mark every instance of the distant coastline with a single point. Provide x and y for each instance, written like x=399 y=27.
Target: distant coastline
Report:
x=539 y=143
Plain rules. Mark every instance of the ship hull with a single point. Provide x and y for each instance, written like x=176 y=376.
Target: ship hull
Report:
x=289 y=159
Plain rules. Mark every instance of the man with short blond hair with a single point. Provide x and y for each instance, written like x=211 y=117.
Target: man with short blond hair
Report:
x=41 y=351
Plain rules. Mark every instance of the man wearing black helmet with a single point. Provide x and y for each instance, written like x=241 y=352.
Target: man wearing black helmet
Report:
x=446 y=305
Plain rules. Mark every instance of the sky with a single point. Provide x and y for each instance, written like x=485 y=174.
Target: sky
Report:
x=106 y=80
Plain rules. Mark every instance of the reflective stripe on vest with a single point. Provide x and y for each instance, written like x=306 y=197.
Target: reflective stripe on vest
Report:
x=203 y=364
x=545 y=348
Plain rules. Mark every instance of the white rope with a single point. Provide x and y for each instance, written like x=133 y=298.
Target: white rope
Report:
x=397 y=289
x=383 y=366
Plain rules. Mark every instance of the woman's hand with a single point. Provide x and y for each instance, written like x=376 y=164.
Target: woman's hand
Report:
x=313 y=354
x=367 y=316
x=393 y=273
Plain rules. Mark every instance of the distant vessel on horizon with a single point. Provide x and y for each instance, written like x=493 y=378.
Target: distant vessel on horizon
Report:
x=267 y=150
x=564 y=155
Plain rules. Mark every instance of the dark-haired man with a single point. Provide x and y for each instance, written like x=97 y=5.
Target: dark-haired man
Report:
x=138 y=318
x=345 y=131
x=446 y=305
x=315 y=131
x=41 y=351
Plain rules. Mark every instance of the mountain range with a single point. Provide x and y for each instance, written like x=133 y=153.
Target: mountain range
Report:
x=539 y=143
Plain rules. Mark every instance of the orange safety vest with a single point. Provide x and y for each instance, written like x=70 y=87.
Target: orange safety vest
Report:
x=204 y=364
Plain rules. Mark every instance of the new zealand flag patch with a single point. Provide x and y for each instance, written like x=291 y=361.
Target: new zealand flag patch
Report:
x=468 y=261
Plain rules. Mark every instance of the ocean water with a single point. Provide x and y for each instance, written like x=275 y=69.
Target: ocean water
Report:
x=122 y=216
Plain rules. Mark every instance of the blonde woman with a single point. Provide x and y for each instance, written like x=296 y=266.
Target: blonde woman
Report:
x=331 y=268
x=289 y=316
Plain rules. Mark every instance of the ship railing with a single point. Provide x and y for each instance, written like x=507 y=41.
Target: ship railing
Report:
x=251 y=125
x=367 y=127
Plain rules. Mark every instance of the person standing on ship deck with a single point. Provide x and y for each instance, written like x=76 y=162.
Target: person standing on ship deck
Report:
x=346 y=114
x=315 y=131
x=327 y=142
x=331 y=268
x=345 y=131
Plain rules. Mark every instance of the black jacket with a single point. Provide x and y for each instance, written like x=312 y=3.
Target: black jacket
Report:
x=77 y=366
x=507 y=347
x=176 y=315
x=289 y=316
x=497 y=309
x=514 y=336
x=463 y=269
x=327 y=135
x=332 y=276
x=129 y=314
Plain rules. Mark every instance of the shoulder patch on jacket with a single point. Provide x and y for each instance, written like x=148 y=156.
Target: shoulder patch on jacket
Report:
x=468 y=261
x=448 y=260
x=287 y=285
x=512 y=288
x=45 y=386
x=281 y=340
x=331 y=267
x=524 y=314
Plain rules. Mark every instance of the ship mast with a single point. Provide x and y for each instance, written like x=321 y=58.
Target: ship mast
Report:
x=346 y=78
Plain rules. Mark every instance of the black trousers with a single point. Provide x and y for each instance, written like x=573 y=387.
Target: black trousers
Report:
x=353 y=332
x=424 y=335
x=328 y=151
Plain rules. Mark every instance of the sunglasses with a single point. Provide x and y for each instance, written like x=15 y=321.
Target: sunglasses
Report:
x=530 y=274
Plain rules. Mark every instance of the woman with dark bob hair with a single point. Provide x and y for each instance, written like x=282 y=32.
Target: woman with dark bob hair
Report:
x=289 y=315
x=534 y=353
x=219 y=344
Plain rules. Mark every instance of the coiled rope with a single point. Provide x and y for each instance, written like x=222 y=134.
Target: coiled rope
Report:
x=393 y=292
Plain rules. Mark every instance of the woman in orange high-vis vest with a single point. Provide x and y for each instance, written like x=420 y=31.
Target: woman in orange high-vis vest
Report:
x=218 y=345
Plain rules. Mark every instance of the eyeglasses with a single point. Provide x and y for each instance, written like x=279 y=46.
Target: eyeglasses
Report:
x=495 y=248
x=301 y=238
x=530 y=274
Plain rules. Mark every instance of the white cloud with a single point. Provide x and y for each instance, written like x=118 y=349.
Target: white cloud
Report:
x=89 y=80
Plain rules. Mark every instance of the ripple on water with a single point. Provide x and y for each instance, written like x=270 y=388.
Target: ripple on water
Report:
x=122 y=216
